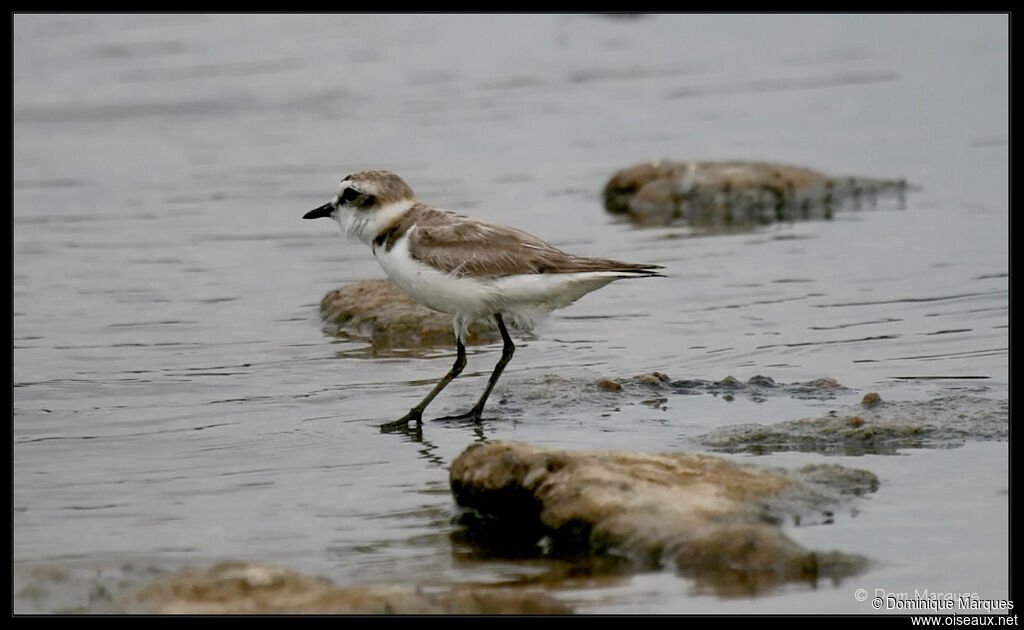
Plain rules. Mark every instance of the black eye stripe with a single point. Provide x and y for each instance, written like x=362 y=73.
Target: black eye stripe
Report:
x=356 y=198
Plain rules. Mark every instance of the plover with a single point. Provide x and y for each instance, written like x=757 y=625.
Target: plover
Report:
x=468 y=268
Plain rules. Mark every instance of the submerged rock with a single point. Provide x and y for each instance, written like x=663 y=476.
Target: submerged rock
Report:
x=874 y=427
x=242 y=588
x=871 y=398
x=709 y=517
x=833 y=478
x=381 y=312
x=758 y=388
x=723 y=195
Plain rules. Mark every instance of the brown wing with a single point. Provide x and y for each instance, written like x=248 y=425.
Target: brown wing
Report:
x=460 y=245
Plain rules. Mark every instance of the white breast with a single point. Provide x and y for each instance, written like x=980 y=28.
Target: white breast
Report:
x=464 y=297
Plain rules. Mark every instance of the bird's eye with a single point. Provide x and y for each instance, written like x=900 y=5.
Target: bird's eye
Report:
x=348 y=195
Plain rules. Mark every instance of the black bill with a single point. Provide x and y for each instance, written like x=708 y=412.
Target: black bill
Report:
x=319 y=213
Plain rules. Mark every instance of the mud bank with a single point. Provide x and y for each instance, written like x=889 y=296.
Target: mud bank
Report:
x=874 y=426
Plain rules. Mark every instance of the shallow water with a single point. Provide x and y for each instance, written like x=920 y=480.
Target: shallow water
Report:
x=176 y=400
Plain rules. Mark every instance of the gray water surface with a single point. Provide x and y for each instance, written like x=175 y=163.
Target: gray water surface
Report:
x=177 y=402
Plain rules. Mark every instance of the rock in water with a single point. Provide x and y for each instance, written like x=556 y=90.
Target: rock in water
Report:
x=381 y=312
x=725 y=195
x=705 y=514
x=244 y=588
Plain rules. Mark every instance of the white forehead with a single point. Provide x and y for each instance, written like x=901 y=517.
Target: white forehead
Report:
x=362 y=184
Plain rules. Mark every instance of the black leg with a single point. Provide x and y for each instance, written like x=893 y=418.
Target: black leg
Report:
x=507 y=351
x=416 y=413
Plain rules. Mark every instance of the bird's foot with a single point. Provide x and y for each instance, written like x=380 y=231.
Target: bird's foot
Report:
x=402 y=424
